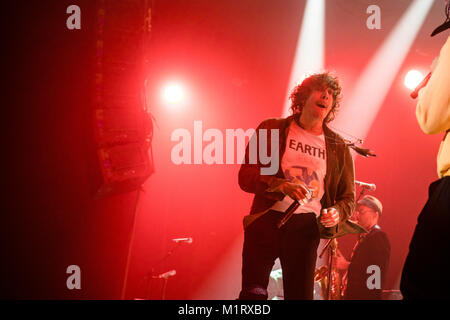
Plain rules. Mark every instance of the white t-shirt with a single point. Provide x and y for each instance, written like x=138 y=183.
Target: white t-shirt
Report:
x=304 y=159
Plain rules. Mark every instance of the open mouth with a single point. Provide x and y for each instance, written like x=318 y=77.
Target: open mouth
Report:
x=321 y=105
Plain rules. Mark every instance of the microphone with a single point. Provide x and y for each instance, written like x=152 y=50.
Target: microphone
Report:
x=288 y=213
x=422 y=84
x=167 y=274
x=370 y=186
x=291 y=209
x=183 y=240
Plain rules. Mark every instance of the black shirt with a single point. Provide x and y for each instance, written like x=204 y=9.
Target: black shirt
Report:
x=372 y=249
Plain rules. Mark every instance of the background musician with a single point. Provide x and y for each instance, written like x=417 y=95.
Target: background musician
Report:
x=372 y=248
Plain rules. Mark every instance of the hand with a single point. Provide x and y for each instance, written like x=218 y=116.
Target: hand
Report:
x=296 y=190
x=329 y=217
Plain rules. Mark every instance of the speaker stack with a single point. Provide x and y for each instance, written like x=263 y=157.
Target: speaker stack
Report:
x=122 y=123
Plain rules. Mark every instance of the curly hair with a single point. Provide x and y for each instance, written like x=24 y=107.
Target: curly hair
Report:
x=320 y=81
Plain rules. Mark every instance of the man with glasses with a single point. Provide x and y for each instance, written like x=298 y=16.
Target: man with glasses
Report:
x=372 y=249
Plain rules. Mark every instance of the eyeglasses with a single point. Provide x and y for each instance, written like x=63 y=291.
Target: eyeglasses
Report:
x=363 y=211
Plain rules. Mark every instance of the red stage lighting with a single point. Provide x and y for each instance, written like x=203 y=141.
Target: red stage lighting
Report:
x=173 y=93
x=412 y=79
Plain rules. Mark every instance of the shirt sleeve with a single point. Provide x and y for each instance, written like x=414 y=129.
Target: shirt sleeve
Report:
x=250 y=178
x=433 y=107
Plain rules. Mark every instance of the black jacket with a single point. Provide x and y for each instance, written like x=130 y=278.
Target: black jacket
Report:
x=373 y=249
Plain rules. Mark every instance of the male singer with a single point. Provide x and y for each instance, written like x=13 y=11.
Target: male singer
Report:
x=430 y=244
x=315 y=168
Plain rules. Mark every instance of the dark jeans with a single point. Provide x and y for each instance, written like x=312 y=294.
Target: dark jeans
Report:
x=295 y=244
x=425 y=273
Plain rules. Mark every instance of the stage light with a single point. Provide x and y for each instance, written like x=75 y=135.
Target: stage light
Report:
x=377 y=78
x=309 y=55
x=173 y=93
x=412 y=79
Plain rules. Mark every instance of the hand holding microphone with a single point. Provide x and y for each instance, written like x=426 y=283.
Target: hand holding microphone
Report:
x=296 y=190
x=299 y=192
x=329 y=217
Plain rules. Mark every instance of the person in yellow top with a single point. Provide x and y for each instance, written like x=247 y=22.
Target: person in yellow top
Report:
x=430 y=244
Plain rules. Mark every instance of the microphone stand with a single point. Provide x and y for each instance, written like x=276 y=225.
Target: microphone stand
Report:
x=150 y=275
x=332 y=250
x=164 y=289
x=363 y=190
x=364 y=152
x=331 y=245
x=130 y=243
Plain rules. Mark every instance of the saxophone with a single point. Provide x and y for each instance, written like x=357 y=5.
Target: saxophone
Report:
x=321 y=276
x=330 y=281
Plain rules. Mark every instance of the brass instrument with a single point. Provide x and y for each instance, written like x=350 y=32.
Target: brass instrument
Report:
x=333 y=289
x=338 y=283
x=321 y=276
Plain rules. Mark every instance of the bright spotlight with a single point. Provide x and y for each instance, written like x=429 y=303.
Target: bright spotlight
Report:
x=309 y=55
x=375 y=82
x=173 y=93
x=412 y=79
